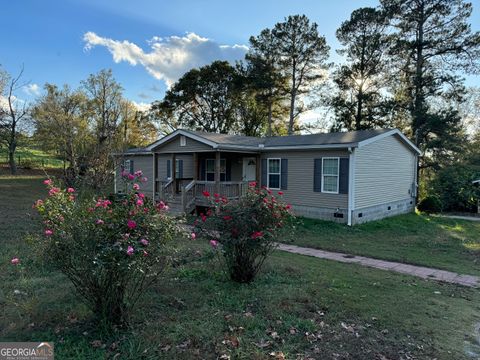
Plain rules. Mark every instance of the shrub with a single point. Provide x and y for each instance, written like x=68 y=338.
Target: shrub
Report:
x=111 y=251
x=453 y=185
x=245 y=231
x=430 y=204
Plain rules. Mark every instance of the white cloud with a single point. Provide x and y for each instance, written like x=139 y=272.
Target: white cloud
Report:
x=141 y=106
x=32 y=89
x=169 y=57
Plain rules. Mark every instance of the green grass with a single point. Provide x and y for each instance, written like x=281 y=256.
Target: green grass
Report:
x=32 y=158
x=442 y=243
x=300 y=306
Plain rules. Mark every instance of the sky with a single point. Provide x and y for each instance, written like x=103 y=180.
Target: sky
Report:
x=148 y=44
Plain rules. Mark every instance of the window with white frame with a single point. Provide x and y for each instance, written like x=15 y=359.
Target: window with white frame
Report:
x=210 y=170
x=273 y=174
x=330 y=174
x=183 y=140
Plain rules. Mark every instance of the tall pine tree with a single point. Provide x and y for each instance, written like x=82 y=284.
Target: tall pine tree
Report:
x=360 y=101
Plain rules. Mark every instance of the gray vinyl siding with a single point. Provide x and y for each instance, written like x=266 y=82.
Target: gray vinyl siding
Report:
x=300 y=179
x=140 y=162
x=384 y=172
x=174 y=146
x=187 y=165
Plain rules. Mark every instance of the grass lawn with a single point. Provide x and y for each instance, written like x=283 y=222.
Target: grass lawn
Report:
x=442 y=243
x=299 y=307
x=33 y=158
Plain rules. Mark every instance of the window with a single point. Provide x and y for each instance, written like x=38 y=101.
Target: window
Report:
x=183 y=141
x=330 y=170
x=178 y=173
x=273 y=174
x=127 y=166
x=177 y=169
x=210 y=170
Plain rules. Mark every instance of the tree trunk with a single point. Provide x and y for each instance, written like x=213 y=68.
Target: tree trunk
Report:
x=269 y=132
x=11 y=162
x=293 y=94
x=358 y=117
x=418 y=112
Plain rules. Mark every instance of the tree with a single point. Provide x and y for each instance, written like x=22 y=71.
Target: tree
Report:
x=359 y=102
x=136 y=126
x=14 y=115
x=434 y=42
x=264 y=74
x=62 y=127
x=104 y=113
x=303 y=54
x=203 y=98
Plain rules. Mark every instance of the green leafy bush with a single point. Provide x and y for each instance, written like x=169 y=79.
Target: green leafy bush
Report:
x=430 y=204
x=245 y=231
x=453 y=186
x=111 y=251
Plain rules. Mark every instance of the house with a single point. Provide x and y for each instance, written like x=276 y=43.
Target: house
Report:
x=350 y=177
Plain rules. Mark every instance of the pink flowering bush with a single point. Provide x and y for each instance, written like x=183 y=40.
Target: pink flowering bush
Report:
x=245 y=231
x=112 y=250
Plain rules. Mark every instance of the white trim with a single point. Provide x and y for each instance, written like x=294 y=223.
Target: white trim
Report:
x=389 y=133
x=338 y=174
x=279 y=173
x=351 y=186
x=184 y=133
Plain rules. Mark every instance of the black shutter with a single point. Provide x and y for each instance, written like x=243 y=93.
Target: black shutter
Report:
x=132 y=168
x=169 y=168
x=228 y=170
x=284 y=174
x=203 y=165
x=317 y=175
x=180 y=169
x=343 y=172
x=264 y=172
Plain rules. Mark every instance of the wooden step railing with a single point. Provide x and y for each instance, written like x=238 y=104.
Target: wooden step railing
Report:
x=191 y=193
x=189 y=196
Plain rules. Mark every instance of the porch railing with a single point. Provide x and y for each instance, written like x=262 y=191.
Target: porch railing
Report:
x=188 y=196
x=167 y=190
x=192 y=191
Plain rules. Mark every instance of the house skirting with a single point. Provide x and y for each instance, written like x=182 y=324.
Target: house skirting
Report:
x=359 y=216
x=378 y=212
x=337 y=215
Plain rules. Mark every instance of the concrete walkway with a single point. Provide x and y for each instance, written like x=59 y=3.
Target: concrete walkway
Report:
x=419 y=271
x=460 y=217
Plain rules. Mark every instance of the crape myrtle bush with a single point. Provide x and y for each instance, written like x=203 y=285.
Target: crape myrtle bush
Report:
x=244 y=231
x=111 y=251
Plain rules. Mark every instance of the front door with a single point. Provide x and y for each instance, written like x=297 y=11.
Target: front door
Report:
x=249 y=169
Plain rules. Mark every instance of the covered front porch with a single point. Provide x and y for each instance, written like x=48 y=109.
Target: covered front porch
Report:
x=181 y=178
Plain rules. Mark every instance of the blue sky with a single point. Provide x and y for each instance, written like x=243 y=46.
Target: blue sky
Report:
x=153 y=42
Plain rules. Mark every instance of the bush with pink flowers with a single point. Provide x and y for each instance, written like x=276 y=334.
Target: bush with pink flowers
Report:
x=112 y=250
x=245 y=231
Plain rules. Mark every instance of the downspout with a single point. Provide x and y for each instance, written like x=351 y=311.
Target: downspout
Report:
x=351 y=185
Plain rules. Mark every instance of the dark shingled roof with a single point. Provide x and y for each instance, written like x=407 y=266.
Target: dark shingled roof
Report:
x=135 y=151
x=228 y=139
x=342 y=138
